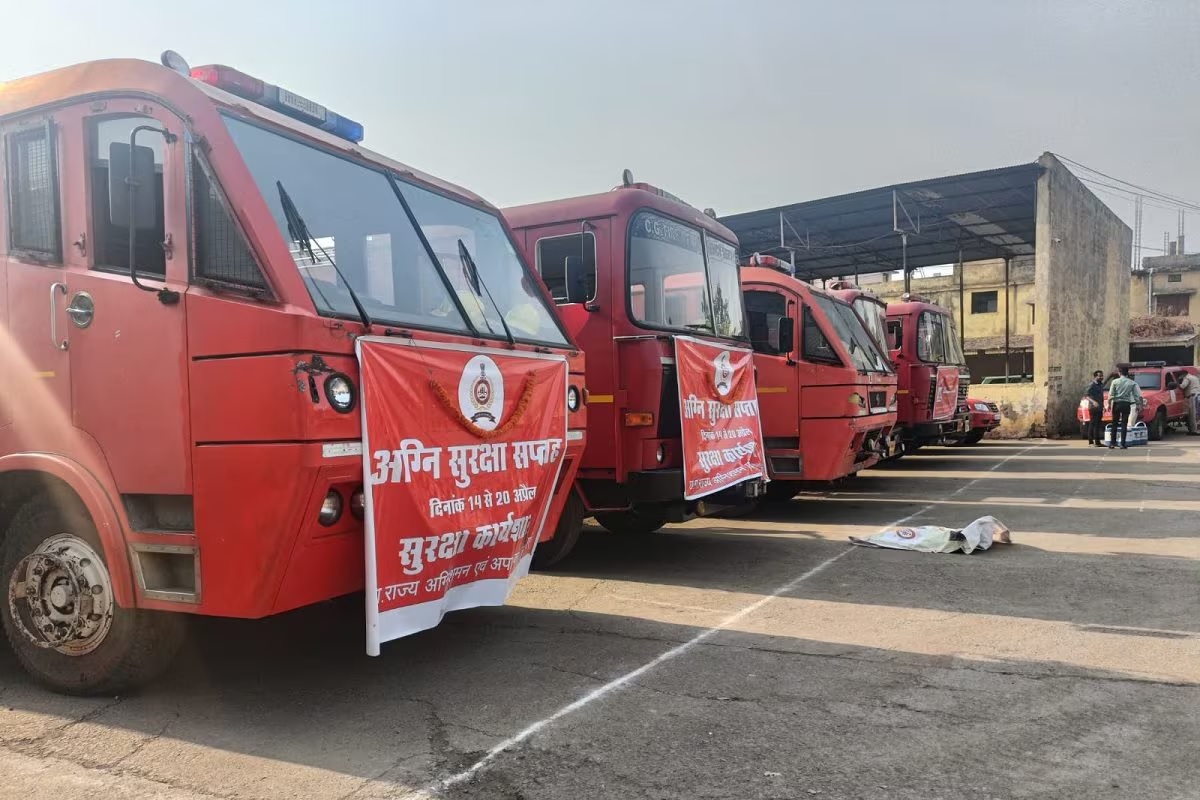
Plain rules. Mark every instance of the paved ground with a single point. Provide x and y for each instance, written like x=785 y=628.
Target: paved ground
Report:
x=768 y=660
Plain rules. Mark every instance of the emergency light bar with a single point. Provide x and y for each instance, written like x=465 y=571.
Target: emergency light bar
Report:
x=278 y=99
x=770 y=262
x=913 y=297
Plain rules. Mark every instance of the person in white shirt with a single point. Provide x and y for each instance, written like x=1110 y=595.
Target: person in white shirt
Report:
x=1190 y=386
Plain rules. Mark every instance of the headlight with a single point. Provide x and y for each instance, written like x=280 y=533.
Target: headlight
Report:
x=331 y=509
x=572 y=399
x=339 y=391
x=358 y=504
x=981 y=407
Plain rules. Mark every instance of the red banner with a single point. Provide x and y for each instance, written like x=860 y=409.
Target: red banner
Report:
x=945 y=398
x=718 y=408
x=462 y=447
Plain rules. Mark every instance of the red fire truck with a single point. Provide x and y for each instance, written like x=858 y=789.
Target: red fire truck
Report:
x=189 y=257
x=630 y=270
x=923 y=346
x=828 y=397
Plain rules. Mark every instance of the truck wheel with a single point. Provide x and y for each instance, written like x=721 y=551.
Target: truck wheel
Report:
x=781 y=492
x=1158 y=427
x=634 y=521
x=61 y=616
x=566 y=535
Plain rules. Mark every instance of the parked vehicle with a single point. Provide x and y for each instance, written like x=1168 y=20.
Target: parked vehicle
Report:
x=631 y=270
x=1165 y=403
x=984 y=415
x=828 y=395
x=923 y=346
x=181 y=432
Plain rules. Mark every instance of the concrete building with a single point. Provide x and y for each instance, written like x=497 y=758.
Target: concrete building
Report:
x=1165 y=287
x=1062 y=312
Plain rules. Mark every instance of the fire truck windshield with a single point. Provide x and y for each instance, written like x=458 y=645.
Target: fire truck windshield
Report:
x=874 y=316
x=863 y=350
x=355 y=218
x=937 y=341
x=683 y=278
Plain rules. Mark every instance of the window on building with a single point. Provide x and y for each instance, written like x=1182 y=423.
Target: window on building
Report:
x=111 y=246
x=567 y=264
x=984 y=302
x=34 y=222
x=763 y=312
x=1032 y=314
x=222 y=254
x=816 y=345
x=1175 y=277
x=1172 y=305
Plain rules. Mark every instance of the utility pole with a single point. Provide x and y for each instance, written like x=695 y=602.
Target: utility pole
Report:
x=1137 y=232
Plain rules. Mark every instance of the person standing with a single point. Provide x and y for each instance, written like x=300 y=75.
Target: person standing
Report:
x=1190 y=386
x=1095 y=396
x=1123 y=395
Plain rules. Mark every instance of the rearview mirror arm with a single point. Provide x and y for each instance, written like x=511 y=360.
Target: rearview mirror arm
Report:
x=165 y=295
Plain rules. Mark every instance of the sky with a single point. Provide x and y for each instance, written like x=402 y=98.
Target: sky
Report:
x=730 y=105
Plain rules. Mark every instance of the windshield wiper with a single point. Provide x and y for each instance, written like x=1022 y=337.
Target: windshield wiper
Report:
x=477 y=283
x=305 y=240
x=700 y=326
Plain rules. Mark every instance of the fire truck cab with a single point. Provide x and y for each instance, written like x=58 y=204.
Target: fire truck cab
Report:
x=188 y=256
x=922 y=343
x=629 y=270
x=826 y=388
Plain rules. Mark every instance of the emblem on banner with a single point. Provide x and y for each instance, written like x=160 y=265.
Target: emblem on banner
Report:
x=722 y=374
x=481 y=392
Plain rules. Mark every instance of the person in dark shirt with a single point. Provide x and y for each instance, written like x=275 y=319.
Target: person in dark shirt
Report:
x=1095 y=395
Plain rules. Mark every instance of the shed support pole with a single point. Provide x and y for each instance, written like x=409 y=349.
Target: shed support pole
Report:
x=1007 y=306
x=904 y=261
x=962 y=319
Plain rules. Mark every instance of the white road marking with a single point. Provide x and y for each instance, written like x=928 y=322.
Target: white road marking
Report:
x=680 y=649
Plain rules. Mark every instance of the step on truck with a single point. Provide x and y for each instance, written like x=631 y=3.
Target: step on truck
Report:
x=827 y=391
x=638 y=277
x=922 y=344
x=189 y=258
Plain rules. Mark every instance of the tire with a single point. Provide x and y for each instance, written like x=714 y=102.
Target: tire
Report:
x=126 y=648
x=632 y=522
x=566 y=535
x=1158 y=427
x=780 y=492
x=974 y=437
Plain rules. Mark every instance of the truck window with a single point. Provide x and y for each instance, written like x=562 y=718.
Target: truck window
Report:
x=895 y=334
x=221 y=252
x=690 y=278
x=1172 y=382
x=34 y=221
x=815 y=346
x=574 y=256
x=937 y=340
x=110 y=250
x=1148 y=380
x=763 y=312
x=850 y=329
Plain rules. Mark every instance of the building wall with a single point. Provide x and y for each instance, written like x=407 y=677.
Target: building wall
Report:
x=979 y=277
x=1175 y=282
x=1082 y=292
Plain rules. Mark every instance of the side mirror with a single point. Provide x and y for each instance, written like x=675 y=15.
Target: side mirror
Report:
x=131 y=167
x=576 y=280
x=787 y=335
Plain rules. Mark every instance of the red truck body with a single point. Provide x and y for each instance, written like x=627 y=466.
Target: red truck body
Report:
x=623 y=297
x=202 y=441
x=923 y=346
x=828 y=394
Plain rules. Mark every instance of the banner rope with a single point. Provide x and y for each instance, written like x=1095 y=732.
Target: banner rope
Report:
x=518 y=413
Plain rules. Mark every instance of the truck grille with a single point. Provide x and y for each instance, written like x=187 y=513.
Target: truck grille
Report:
x=992 y=407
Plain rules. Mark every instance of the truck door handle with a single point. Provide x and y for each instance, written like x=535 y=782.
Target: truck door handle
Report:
x=55 y=288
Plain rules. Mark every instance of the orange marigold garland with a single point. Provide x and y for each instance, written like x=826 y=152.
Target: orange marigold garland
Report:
x=471 y=427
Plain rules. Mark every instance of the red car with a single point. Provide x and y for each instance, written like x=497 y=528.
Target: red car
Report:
x=1165 y=403
x=985 y=416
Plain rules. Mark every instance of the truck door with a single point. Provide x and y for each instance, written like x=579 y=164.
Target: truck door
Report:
x=767 y=308
x=128 y=349
x=575 y=262
x=34 y=360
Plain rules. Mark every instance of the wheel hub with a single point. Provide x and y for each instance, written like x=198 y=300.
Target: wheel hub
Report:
x=60 y=596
